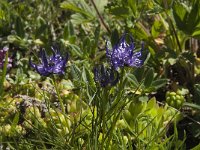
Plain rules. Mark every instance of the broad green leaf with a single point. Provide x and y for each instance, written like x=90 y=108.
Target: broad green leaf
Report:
x=143 y=98
x=41 y=31
x=149 y=78
x=159 y=83
x=72 y=39
x=120 y=11
x=71 y=6
x=67 y=84
x=139 y=74
x=2 y=15
x=140 y=31
x=34 y=75
x=14 y=39
x=133 y=80
x=114 y=37
x=156 y=28
x=180 y=13
x=172 y=61
x=19 y=27
x=84 y=76
x=80 y=19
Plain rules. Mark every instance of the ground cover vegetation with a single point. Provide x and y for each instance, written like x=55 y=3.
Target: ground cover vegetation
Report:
x=100 y=74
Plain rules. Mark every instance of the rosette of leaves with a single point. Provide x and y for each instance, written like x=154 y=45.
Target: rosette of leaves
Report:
x=146 y=121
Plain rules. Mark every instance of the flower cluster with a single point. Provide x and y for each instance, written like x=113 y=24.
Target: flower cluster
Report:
x=123 y=54
x=50 y=65
x=105 y=76
x=2 y=58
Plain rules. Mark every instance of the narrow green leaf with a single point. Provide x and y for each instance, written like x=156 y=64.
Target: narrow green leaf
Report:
x=70 y=28
x=196 y=33
x=75 y=72
x=133 y=6
x=193 y=17
x=15 y=121
x=195 y=106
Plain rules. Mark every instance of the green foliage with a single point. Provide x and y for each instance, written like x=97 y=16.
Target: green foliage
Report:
x=3 y=75
x=155 y=106
x=187 y=19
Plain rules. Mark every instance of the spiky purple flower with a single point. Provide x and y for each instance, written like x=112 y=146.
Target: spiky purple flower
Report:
x=54 y=64
x=3 y=56
x=123 y=54
x=105 y=76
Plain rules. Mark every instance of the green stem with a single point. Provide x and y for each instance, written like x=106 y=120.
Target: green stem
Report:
x=110 y=132
x=58 y=94
x=3 y=74
x=119 y=95
x=115 y=109
x=103 y=106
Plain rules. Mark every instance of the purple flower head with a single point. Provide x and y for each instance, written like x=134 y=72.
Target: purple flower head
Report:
x=123 y=54
x=105 y=76
x=55 y=64
x=3 y=56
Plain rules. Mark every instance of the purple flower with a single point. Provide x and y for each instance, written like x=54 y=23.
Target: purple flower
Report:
x=123 y=54
x=105 y=76
x=52 y=65
x=2 y=58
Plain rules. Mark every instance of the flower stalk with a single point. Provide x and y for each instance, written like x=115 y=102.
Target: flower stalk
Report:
x=58 y=94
